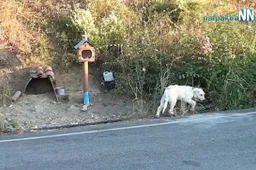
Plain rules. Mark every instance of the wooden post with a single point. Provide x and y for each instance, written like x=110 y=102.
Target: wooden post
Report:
x=86 y=98
x=85 y=54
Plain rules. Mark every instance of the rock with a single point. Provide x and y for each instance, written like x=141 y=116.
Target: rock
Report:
x=39 y=109
x=73 y=123
x=73 y=108
x=84 y=108
x=16 y=96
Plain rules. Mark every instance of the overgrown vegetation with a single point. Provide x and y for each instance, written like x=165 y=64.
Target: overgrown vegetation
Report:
x=4 y=90
x=1 y=121
x=8 y=126
x=163 y=42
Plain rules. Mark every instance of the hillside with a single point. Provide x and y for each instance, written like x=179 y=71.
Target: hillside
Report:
x=148 y=44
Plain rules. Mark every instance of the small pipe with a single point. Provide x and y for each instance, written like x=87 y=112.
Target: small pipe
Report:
x=86 y=99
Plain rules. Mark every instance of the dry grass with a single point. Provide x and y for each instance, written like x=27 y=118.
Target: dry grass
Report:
x=10 y=126
x=15 y=17
x=1 y=120
x=5 y=90
x=23 y=29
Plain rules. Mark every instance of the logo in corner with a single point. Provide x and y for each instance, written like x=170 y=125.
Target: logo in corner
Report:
x=246 y=14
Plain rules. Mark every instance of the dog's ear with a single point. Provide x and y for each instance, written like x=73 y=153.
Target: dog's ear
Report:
x=195 y=91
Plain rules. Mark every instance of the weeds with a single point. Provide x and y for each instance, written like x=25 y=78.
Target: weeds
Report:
x=2 y=119
x=5 y=90
x=163 y=43
x=8 y=126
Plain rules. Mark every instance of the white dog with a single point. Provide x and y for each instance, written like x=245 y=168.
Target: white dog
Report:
x=186 y=94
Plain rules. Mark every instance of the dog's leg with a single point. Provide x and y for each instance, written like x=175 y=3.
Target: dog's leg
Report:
x=172 y=105
x=159 y=109
x=183 y=107
x=192 y=103
x=165 y=106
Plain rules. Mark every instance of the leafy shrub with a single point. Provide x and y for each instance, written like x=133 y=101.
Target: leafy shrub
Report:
x=226 y=71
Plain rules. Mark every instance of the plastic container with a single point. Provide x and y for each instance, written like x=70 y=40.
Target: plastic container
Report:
x=60 y=91
x=108 y=76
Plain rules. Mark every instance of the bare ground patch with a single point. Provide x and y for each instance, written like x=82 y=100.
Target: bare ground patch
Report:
x=33 y=111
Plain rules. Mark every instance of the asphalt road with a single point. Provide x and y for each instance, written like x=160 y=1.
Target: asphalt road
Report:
x=212 y=141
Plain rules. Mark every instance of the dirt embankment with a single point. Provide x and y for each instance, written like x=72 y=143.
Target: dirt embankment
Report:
x=35 y=111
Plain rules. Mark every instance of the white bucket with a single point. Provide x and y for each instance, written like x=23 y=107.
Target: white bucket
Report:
x=60 y=91
x=108 y=76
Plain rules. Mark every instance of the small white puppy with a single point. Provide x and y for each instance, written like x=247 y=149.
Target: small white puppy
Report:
x=186 y=94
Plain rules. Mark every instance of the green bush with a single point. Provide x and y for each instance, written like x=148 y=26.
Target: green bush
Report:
x=101 y=28
x=227 y=74
x=169 y=47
